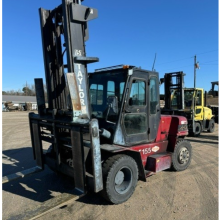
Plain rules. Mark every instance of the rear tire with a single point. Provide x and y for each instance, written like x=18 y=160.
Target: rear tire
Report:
x=211 y=126
x=120 y=176
x=182 y=155
x=198 y=129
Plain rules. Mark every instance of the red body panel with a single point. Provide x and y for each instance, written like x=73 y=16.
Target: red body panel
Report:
x=156 y=156
x=164 y=127
x=156 y=163
x=165 y=141
x=149 y=149
x=169 y=126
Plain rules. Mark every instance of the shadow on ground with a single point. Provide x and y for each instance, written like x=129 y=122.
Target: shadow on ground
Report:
x=209 y=137
x=40 y=186
x=94 y=199
x=16 y=160
x=201 y=140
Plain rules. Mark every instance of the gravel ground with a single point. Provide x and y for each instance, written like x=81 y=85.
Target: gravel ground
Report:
x=191 y=194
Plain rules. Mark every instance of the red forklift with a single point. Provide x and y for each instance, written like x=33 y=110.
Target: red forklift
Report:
x=105 y=126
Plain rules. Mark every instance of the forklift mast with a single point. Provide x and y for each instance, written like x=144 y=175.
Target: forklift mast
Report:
x=174 y=82
x=64 y=32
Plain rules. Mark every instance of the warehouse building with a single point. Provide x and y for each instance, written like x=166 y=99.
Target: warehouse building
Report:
x=20 y=101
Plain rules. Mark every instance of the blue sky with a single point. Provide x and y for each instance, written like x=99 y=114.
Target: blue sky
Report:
x=126 y=32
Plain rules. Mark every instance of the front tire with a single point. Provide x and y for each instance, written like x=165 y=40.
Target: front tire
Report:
x=198 y=129
x=120 y=176
x=182 y=155
x=211 y=126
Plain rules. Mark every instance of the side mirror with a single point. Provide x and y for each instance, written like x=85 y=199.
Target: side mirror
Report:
x=113 y=103
x=162 y=80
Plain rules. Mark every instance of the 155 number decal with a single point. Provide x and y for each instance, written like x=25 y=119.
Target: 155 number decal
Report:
x=145 y=151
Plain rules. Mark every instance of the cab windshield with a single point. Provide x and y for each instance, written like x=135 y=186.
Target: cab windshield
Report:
x=103 y=85
x=188 y=98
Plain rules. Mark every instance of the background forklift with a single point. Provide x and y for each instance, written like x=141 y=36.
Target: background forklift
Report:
x=105 y=128
x=212 y=100
x=188 y=102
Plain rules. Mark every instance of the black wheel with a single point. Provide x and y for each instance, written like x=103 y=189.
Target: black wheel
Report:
x=198 y=129
x=182 y=155
x=211 y=126
x=120 y=175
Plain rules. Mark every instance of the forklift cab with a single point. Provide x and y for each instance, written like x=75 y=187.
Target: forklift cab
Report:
x=193 y=99
x=135 y=94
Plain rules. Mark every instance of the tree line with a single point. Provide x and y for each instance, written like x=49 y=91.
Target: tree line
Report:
x=27 y=90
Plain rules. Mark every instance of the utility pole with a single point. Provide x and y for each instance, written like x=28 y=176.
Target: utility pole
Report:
x=195 y=72
x=193 y=97
x=196 y=66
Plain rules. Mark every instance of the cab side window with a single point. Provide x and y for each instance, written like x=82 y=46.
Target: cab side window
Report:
x=153 y=92
x=111 y=88
x=136 y=122
x=199 y=97
x=122 y=85
x=96 y=94
x=137 y=94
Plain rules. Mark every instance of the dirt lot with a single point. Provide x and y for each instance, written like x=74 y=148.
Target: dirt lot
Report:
x=191 y=194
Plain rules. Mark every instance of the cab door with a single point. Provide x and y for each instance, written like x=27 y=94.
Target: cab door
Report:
x=141 y=108
x=199 y=105
x=134 y=117
x=154 y=105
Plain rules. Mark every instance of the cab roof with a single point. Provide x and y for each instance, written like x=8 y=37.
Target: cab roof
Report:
x=117 y=67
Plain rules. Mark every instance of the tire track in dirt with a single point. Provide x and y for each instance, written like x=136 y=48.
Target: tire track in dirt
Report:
x=208 y=205
x=158 y=191
x=204 y=177
x=196 y=144
x=168 y=193
x=205 y=153
x=185 y=172
x=167 y=196
x=208 y=171
x=201 y=160
x=205 y=157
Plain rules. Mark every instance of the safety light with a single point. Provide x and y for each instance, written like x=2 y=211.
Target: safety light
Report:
x=125 y=66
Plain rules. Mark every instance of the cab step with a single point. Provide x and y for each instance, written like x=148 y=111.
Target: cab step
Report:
x=159 y=162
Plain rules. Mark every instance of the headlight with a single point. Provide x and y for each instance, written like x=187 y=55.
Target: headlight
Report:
x=182 y=127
